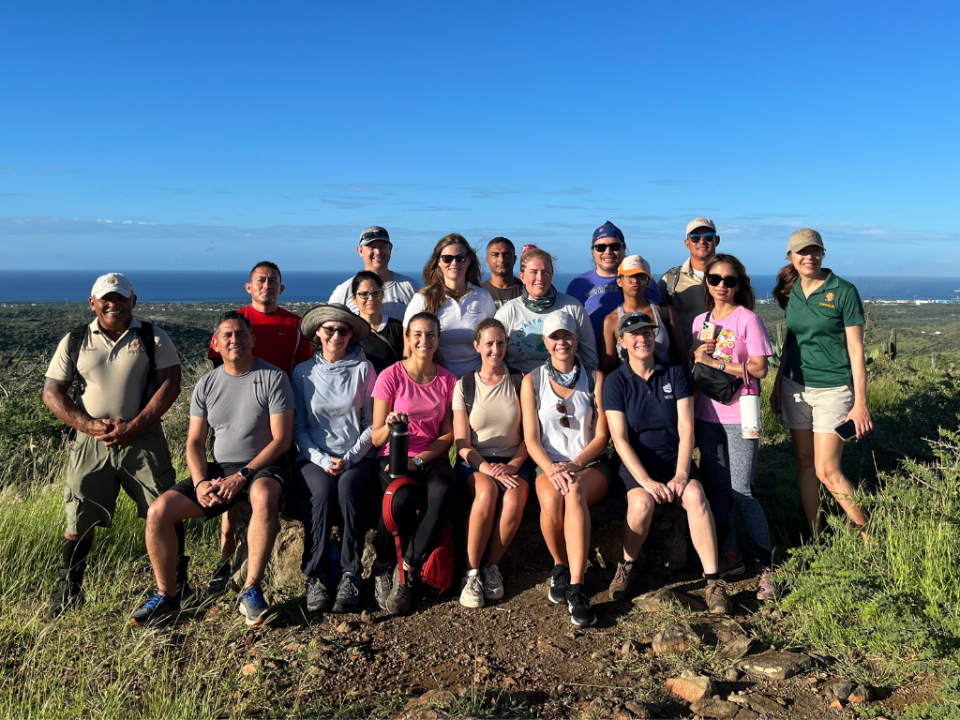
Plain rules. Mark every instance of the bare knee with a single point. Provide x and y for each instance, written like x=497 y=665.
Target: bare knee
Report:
x=485 y=493
x=694 y=499
x=829 y=474
x=515 y=500
x=158 y=513
x=640 y=507
x=265 y=495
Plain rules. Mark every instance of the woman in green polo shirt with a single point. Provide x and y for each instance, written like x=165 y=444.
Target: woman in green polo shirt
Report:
x=822 y=381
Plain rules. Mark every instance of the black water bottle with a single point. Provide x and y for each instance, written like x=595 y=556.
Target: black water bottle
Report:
x=399 y=444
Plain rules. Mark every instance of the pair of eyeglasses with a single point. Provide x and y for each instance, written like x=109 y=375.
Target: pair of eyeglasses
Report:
x=449 y=259
x=612 y=247
x=639 y=278
x=706 y=237
x=364 y=294
x=340 y=330
x=562 y=409
x=729 y=281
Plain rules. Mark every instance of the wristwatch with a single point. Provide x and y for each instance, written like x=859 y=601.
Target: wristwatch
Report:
x=418 y=463
x=246 y=473
x=722 y=366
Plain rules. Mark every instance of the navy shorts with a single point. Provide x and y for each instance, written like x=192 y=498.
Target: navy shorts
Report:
x=663 y=474
x=464 y=471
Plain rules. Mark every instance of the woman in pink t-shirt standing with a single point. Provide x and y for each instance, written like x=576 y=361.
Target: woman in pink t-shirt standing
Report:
x=420 y=392
x=727 y=460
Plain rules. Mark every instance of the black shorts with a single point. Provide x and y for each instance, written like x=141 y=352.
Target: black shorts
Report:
x=662 y=474
x=280 y=473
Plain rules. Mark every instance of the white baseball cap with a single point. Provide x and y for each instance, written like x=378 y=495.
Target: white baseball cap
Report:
x=112 y=283
x=559 y=321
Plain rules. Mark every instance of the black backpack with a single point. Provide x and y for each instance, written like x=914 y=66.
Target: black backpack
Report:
x=147 y=342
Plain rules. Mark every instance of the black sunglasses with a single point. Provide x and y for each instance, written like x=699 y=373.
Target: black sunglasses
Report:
x=448 y=259
x=341 y=330
x=562 y=409
x=612 y=247
x=729 y=281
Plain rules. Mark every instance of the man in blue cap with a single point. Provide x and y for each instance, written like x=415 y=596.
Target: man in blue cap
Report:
x=597 y=290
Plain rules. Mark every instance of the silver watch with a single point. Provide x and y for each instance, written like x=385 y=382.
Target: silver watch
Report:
x=418 y=463
x=722 y=366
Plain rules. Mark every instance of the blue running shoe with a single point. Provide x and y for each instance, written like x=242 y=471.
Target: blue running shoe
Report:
x=157 y=609
x=253 y=606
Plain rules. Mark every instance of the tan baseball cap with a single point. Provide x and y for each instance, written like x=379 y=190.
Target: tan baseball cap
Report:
x=112 y=283
x=559 y=320
x=700 y=222
x=804 y=238
x=634 y=265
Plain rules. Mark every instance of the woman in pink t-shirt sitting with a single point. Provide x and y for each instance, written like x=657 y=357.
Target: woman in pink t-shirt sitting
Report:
x=420 y=392
x=727 y=460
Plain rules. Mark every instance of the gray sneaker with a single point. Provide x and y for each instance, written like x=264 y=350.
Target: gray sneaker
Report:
x=471 y=595
x=401 y=598
x=318 y=597
x=348 y=594
x=384 y=578
x=492 y=583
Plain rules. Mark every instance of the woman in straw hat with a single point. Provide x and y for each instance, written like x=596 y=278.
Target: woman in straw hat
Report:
x=333 y=429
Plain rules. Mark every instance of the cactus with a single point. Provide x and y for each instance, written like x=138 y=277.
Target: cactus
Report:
x=777 y=347
x=893 y=344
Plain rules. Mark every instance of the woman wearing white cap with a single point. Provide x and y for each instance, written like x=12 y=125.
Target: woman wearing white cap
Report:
x=565 y=429
x=821 y=385
x=634 y=278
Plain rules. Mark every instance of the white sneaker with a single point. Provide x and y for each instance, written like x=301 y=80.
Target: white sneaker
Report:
x=492 y=582
x=472 y=594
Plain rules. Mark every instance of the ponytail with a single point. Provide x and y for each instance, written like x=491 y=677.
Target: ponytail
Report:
x=786 y=278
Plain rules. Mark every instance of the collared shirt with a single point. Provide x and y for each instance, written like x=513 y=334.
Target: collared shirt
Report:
x=650 y=407
x=397 y=294
x=115 y=372
x=600 y=295
x=279 y=341
x=816 y=346
x=458 y=322
x=687 y=300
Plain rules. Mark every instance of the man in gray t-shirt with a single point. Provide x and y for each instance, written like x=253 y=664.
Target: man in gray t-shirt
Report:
x=249 y=404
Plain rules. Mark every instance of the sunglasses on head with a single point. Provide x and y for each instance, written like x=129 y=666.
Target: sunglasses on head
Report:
x=706 y=237
x=364 y=294
x=612 y=247
x=449 y=259
x=332 y=330
x=729 y=281
x=562 y=409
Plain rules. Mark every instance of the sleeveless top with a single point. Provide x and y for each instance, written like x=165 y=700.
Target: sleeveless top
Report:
x=661 y=340
x=559 y=443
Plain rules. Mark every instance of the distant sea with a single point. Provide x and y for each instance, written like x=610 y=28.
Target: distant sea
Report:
x=303 y=286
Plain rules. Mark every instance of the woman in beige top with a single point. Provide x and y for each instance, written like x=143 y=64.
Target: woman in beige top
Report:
x=492 y=462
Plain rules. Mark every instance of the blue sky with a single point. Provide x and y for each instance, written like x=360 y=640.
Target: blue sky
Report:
x=211 y=135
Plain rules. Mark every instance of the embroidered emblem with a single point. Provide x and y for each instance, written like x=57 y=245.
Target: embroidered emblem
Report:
x=830 y=296
x=668 y=388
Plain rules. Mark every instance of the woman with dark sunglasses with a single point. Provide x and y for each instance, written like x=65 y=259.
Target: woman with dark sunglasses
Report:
x=452 y=292
x=566 y=432
x=736 y=340
x=384 y=345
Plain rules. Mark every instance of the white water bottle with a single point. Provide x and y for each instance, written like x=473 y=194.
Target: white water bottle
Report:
x=750 y=424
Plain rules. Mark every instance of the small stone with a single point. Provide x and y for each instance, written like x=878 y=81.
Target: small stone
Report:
x=637 y=710
x=842 y=689
x=692 y=689
x=347 y=626
x=783 y=702
x=813 y=680
x=675 y=640
x=777 y=664
x=738 y=699
x=738 y=647
x=630 y=648
x=657 y=600
x=367 y=618
x=837 y=704
x=860 y=694
x=745 y=714
x=249 y=669
x=715 y=708
x=731 y=675
x=763 y=704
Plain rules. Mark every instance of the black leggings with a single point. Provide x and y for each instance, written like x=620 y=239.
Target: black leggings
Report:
x=418 y=511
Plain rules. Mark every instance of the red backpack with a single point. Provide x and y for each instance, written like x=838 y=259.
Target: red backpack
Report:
x=436 y=570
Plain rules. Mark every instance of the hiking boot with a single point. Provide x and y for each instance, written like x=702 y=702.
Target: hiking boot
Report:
x=318 y=597
x=184 y=591
x=253 y=606
x=730 y=563
x=767 y=589
x=401 y=597
x=559 y=584
x=472 y=594
x=492 y=582
x=581 y=614
x=156 y=610
x=716 y=597
x=67 y=595
x=348 y=594
x=384 y=578
x=623 y=580
x=221 y=578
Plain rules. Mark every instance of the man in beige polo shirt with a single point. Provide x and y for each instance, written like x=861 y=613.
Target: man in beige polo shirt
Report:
x=682 y=286
x=128 y=376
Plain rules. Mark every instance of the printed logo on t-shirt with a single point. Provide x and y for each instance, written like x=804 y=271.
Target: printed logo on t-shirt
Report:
x=668 y=388
x=529 y=341
x=830 y=296
x=473 y=307
x=134 y=347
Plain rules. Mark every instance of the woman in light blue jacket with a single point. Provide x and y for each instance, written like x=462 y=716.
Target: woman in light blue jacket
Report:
x=332 y=429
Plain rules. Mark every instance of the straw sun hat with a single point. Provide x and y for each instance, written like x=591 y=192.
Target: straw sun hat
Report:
x=338 y=313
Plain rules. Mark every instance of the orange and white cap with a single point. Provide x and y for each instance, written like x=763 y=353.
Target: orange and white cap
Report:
x=634 y=265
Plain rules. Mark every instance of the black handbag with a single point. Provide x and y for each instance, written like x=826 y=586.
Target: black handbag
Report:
x=715 y=384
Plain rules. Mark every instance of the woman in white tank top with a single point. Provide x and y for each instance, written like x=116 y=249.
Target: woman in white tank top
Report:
x=564 y=436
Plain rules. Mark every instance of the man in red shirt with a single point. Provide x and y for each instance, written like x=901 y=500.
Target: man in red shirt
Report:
x=278 y=342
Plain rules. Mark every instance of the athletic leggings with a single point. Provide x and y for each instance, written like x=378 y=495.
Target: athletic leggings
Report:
x=728 y=463
x=325 y=492
x=418 y=511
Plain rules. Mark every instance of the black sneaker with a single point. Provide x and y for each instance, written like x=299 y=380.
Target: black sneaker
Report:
x=581 y=614
x=348 y=594
x=221 y=578
x=157 y=609
x=318 y=597
x=67 y=595
x=401 y=598
x=559 y=584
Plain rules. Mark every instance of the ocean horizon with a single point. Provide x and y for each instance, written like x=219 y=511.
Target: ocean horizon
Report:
x=315 y=286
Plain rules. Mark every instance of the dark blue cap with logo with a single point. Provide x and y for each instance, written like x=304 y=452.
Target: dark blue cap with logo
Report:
x=607 y=230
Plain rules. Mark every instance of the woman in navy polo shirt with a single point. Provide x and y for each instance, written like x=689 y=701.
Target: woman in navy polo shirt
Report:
x=822 y=380
x=649 y=406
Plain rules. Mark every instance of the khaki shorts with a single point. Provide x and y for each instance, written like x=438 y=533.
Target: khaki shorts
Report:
x=819 y=409
x=96 y=473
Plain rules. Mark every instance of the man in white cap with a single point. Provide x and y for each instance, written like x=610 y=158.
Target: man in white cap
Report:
x=398 y=290
x=682 y=286
x=128 y=375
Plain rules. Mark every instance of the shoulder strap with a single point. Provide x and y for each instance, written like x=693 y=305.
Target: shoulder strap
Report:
x=517 y=379
x=149 y=344
x=74 y=342
x=469 y=391
x=535 y=381
x=388 y=521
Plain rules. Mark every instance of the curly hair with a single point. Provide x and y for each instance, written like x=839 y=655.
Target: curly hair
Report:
x=486 y=324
